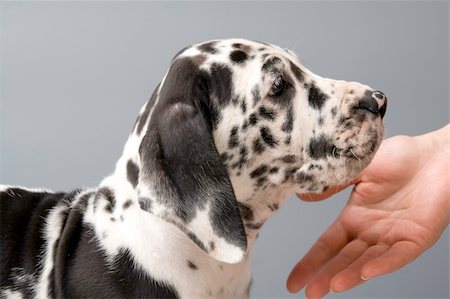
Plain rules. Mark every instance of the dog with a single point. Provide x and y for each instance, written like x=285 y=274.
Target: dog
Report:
x=234 y=127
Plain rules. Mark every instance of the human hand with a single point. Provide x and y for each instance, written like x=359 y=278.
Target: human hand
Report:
x=398 y=209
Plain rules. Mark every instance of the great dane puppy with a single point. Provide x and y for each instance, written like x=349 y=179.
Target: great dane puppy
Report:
x=233 y=128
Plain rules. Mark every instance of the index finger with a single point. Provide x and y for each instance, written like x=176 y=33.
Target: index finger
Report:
x=321 y=196
x=325 y=248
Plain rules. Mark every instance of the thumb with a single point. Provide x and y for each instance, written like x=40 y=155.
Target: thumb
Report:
x=329 y=192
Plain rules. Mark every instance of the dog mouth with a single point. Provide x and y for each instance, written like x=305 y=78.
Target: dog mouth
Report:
x=360 y=145
x=347 y=153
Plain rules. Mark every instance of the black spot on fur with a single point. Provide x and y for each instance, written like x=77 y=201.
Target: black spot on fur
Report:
x=303 y=177
x=289 y=172
x=243 y=156
x=246 y=212
x=128 y=203
x=273 y=170
x=243 y=106
x=287 y=140
x=233 y=141
x=316 y=97
x=208 y=47
x=289 y=122
x=145 y=204
x=298 y=73
x=132 y=173
x=245 y=125
x=238 y=56
x=192 y=265
x=224 y=156
x=289 y=159
x=259 y=171
x=212 y=245
x=256 y=94
x=267 y=137
x=273 y=207
x=253 y=119
x=315 y=166
x=267 y=113
x=221 y=83
x=258 y=146
x=320 y=147
x=261 y=180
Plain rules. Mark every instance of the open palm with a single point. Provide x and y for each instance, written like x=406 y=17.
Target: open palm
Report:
x=398 y=208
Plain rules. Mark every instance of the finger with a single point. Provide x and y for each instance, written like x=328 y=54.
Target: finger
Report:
x=320 y=285
x=398 y=255
x=325 y=248
x=350 y=277
x=321 y=196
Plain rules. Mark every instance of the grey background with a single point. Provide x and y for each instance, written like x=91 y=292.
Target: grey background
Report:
x=74 y=76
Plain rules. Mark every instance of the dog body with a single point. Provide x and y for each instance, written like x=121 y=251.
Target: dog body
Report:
x=234 y=127
x=56 y=252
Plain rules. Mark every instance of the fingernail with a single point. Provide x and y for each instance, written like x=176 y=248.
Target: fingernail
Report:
x=364 y=278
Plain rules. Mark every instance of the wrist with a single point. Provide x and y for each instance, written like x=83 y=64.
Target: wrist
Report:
x=436 y=142
x=440 y=139
x=434 y=151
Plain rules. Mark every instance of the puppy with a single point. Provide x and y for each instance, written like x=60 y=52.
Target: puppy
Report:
x=234 y=127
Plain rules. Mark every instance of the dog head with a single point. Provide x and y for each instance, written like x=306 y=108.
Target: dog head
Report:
x=232 y=119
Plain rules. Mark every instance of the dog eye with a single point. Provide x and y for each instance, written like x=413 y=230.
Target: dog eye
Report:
x=278 y=87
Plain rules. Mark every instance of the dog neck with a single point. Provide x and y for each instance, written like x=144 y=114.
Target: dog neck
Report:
x=255 y=207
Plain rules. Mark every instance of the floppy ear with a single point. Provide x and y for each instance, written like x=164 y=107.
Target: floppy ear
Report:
x=183 y=169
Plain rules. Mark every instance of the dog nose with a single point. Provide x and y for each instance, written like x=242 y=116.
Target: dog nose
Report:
x=375 y=102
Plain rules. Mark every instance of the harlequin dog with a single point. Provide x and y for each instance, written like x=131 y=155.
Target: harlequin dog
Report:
x=233 y=128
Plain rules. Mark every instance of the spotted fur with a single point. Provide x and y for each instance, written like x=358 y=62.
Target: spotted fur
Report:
x=233 y=128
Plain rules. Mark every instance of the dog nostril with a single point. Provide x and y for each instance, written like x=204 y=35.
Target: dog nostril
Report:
x=381 y=101
x=379 y=97
x=374 y=102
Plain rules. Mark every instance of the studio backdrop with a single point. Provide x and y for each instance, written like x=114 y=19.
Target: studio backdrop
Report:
x=75 y=74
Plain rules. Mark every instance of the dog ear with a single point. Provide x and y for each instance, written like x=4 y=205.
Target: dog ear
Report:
x=188 y=183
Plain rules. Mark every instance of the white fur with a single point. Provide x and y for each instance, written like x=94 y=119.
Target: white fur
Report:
x=53 y=229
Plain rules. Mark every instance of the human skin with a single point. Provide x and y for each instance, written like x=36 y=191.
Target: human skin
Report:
x=399 y=207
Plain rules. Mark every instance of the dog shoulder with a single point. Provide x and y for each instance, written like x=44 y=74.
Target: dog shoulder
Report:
x=25 y=216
